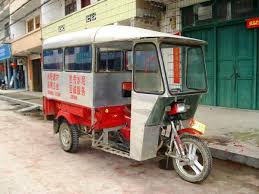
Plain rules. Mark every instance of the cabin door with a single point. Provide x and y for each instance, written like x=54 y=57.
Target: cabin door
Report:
x=147 y=85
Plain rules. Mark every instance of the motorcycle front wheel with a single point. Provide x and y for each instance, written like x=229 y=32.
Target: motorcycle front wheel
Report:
x=197 y=164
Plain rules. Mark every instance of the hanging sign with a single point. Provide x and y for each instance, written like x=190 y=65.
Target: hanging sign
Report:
x=176 y=64
x=252 y=23
x=5 y=51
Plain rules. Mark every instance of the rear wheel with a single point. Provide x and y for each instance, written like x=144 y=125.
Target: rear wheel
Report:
x=68 y=137
x=198 y=162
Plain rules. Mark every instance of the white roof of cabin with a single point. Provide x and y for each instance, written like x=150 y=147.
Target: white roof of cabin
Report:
x=112 y=33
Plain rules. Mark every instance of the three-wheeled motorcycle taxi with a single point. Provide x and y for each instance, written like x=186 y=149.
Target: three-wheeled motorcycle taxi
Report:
x=133 y=91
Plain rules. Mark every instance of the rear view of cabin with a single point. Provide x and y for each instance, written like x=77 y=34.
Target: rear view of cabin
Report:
x=82 y=76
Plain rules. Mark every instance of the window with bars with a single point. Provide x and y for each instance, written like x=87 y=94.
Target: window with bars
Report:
x=223 y=10
x=6 y=30
x=70 y=6
x=242 y=8
x=219 y=10
x=187 y=16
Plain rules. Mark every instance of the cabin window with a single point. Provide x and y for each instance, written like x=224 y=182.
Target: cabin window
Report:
x=147 y=74
x=110 y=61
x=195 y=72
x=53 y=59
x=78 y=58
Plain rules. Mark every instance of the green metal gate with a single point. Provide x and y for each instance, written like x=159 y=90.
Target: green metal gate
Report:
x=232 y=63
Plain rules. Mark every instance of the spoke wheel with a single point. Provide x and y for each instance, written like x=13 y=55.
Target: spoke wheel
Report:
x=197 y=164
x=68 y=137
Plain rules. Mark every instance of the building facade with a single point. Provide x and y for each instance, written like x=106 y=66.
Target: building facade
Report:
x=25 y=34
x=73 y=15
x=5 y=48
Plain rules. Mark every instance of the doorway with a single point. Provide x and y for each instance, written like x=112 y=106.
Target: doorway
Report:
x=235 y=67
x=37 y=79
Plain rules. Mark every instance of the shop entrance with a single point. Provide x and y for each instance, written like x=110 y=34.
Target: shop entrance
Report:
x=20 y=77
x=37 y=79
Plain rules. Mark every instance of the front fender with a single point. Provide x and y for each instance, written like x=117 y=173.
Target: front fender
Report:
x=189 y=131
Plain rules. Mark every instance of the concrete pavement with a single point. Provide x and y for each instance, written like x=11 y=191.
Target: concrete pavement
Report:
x=233 y=134
x=32 y=162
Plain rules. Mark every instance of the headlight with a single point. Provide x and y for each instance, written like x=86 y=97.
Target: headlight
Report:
x=178 y=108
x=181 y=108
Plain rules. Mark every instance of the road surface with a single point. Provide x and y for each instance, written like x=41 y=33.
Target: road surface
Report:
x=31 y=161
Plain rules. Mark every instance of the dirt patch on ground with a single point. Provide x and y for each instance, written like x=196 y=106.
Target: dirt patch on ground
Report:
x=219 y=140
x=34 y=113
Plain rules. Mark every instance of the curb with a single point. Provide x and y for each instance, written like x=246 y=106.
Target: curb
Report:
x=14 y=100
x=242 y=159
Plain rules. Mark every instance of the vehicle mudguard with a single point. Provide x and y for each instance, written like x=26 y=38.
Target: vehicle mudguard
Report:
x=189 y=131
x=71 y=119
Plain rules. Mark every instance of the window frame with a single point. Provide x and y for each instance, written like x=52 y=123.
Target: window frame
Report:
x=27 y=25
x=78 y=71
x=65 y=6
x=35 y=19
x=160 y=69
x=183 y=93
x=62 y=66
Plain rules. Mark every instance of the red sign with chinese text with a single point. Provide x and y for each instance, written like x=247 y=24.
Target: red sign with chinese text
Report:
x=252 y=23
x=76 y=86
x=53 y=84
x=176 y=65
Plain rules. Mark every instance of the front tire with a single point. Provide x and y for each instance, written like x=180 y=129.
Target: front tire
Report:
x=199 y=158
x=69 y=137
